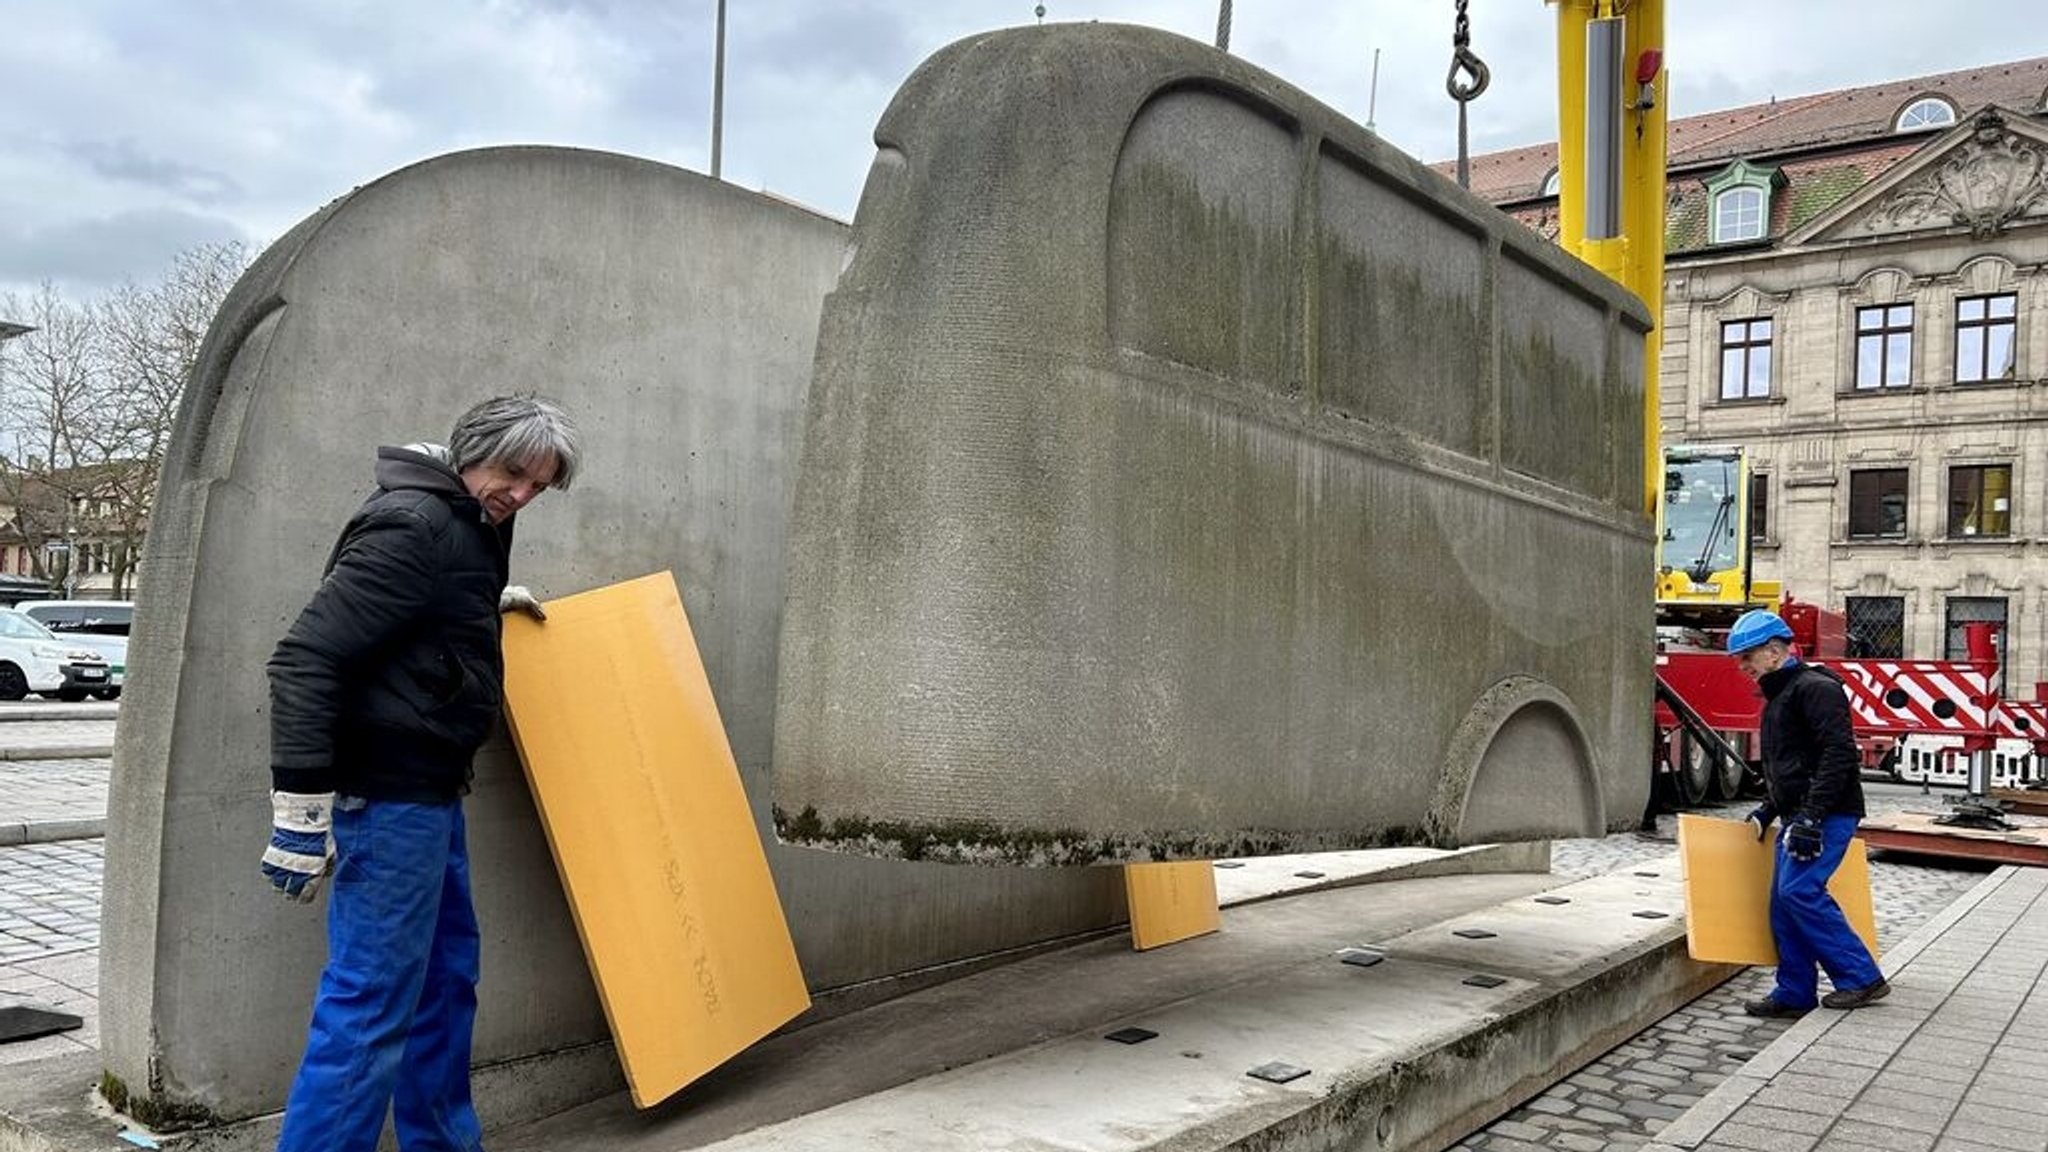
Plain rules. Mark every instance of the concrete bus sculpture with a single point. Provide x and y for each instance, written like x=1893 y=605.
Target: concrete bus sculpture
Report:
x=1184 y=467
x=1189 y=473
x=676 y=317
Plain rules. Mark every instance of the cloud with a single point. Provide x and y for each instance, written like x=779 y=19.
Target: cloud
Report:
x=93 y=253
x=124 y=160
x=132 y=125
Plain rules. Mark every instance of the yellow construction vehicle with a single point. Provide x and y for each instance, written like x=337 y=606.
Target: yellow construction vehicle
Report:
x=1703 y=534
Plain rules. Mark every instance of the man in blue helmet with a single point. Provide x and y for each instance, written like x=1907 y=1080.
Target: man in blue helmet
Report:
x=1814 y=783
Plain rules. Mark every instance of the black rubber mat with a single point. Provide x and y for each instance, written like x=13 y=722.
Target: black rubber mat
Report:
x=18 y=1023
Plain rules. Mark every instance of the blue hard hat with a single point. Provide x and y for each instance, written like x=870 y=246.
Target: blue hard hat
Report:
x=1754 y=629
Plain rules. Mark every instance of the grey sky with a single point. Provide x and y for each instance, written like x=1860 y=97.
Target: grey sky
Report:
x=132 y=128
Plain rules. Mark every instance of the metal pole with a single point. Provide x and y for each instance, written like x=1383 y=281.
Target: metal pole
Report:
x=1223 y=25
x=718 y=94
x=1604 y=46
x=1372 y=94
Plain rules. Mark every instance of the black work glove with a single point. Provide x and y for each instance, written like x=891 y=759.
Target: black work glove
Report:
x=1760 y=819
x=1802 y=839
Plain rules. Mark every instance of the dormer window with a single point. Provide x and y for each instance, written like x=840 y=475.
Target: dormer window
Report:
x=1551 y=183
x=1926 y=112
x=1740 y=195
x=1738 y=215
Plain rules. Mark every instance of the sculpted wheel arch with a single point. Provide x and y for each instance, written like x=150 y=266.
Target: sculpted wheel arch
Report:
x=1519 y=766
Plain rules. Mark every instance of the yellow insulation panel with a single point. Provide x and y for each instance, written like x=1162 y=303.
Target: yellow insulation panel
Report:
x=651 y=832
x=1171 y=902
x=1728 y=891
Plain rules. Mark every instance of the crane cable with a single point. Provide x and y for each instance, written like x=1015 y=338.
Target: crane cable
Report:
x=1466 y=88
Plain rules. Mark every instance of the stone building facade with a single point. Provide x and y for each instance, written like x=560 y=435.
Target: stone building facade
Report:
x=1856 y=292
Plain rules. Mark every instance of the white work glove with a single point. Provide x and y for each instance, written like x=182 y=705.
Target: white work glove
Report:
x=301 y=851
x=518 y=598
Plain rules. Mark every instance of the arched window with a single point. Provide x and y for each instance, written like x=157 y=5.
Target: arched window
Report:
x=1926 y=112
x=1551 y=183
x=1738 y=214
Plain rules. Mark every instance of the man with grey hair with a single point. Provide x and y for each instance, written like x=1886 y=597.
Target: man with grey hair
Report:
x=380 y=695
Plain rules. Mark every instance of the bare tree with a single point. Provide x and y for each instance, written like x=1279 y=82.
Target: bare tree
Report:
x=87 y=401
x=53 y=402
x=149 y=340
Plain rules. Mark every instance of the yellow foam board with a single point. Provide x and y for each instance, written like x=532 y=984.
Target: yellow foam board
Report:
x=1728 y=891
x=657 y=849
x=1171 y=902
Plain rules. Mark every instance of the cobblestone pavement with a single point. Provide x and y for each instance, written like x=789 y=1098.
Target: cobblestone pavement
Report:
x=1624 y=1098
x=52 y=900
x=49 y=939
x=36 y=791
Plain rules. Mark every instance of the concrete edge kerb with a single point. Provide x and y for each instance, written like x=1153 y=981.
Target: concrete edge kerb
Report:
x=1700 y=1121
x=59 y=752
x=51 y=831
x=45 y=712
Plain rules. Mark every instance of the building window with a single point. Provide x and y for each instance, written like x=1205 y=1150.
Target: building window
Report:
x=1759 y=507
x=1926 y=112
x=1980 y=500
x=1877 y=503
x=1552 y=183
x=1971 y=610
x=1738 y=215
x=1884 y=347
x=1985 y=337
x=1746 y=359
x=1877 y=627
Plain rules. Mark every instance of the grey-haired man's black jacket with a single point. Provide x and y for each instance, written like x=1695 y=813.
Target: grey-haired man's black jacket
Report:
x=392 y=676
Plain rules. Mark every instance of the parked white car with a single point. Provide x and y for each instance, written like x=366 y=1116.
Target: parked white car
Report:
x=101 y=625
x=32 y=659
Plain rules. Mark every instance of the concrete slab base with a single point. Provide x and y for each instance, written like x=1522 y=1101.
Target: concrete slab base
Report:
x=1412 y=1052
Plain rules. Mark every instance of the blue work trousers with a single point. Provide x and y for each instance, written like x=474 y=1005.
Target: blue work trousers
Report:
x=1809 y=927
x=391 y=1026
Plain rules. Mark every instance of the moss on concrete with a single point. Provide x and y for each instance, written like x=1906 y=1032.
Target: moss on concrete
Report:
x=985 y=842
x=153 y=1111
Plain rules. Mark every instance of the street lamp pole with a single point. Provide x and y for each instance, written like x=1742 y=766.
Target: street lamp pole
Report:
x=718 y=93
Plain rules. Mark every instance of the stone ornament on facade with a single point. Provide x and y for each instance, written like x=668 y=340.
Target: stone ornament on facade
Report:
x=1993 y=178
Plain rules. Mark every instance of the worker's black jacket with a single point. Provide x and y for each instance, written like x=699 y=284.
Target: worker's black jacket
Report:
x=1809 y=744
x=392 y=676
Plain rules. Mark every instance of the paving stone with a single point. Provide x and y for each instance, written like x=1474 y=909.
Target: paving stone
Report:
x=1952 y=1144
x=2023 y=1119
x=1849 y=1136
x=1916 y=1114
x=1563 y=1124
x=1786 y=1098
x=1786 y=1120
x=1981 y=1097
x=1650 y=1110
x=1763 y=1139
x=2011 y=1140
x=1517 y=1130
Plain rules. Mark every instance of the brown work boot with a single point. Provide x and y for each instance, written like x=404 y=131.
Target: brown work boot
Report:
x=1773 y=1009
x=1857 y=997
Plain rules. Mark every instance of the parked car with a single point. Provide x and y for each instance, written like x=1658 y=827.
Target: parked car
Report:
x=33 y=659
x=101 y=625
